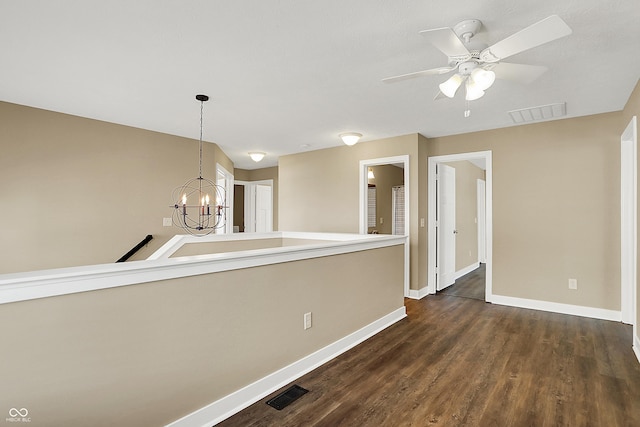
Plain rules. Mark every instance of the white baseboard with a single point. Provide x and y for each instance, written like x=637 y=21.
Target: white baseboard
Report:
x=556 y=307
x=466 y=270
x=636 y=347
x=419 y=294
x=235 y=402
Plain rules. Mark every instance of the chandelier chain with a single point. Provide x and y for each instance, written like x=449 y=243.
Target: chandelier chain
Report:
x=201 y=108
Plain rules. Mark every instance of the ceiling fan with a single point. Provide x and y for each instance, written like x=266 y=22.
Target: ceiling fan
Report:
x=477 y=65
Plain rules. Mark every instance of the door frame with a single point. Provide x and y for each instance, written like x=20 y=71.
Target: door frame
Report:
x=628 y=223
x=364 y=184
x=228 y=189
x=433 y=161
x=481 y=198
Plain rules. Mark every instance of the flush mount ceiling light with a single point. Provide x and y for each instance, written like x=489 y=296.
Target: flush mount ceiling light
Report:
x=256 y=156
x=199 y=204
x=350 y=138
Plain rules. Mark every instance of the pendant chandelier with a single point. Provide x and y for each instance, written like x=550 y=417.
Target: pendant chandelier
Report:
x=199 y=204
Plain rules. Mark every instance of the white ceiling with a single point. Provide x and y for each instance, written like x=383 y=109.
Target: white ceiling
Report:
x=286 y=76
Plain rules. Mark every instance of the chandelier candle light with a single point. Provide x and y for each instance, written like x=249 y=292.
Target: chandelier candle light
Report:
x=197 y=218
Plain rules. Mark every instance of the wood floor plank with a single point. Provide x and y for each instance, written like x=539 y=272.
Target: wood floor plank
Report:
x=462 y=362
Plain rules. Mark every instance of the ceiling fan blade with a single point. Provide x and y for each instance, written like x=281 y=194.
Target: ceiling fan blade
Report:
x=519 y=73
x=549 y=29
x=447 y=42
x=441 y=70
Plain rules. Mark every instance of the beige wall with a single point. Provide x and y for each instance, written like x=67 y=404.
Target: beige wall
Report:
x=633 y=109
x=319 y=191
x=556 y=207
x=467 y=176
x=260 y=175
x=146 y=355
x=555 y=204
x=385 y=178
x=83 y=191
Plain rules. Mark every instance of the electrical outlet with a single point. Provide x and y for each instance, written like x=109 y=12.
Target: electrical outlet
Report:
x=381 y=220
x=166 y=222
x=422 y=222
x=573 y=283
x=307 y=320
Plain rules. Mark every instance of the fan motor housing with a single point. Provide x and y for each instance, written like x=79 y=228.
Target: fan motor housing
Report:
x=467 y=28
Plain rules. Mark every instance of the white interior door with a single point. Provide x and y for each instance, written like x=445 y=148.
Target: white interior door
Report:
x=446 y=226
x=264 y=209
x=482 y=222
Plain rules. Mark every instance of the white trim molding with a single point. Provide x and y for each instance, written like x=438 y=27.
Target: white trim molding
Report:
x=363 y=181
x=628 y=222
x=466 y=270
x=235 y=402
x=556 y=307
x=16 y=287
x=636 y=347
x=486 y=157
x=418 y=294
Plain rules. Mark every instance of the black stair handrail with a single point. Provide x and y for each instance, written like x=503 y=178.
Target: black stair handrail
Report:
x=136 y=248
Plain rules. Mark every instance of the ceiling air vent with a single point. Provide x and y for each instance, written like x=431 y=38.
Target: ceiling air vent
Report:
x=543 y=112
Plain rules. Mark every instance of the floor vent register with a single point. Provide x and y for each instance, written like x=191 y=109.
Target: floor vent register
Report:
x=287 y=397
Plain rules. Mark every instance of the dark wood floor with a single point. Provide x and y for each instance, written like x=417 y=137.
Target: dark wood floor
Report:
x=471 y=285
x=462 y=362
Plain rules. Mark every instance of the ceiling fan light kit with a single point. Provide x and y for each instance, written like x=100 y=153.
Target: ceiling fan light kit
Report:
x=477 y=65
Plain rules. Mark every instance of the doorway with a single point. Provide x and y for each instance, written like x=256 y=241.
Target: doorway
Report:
x=224 y=178
x=435 y=215
x=369 y=215
x=256 y=215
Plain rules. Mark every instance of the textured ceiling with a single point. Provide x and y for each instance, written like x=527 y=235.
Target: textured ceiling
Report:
x=286 y=76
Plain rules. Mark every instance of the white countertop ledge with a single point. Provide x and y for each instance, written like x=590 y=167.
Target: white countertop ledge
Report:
x=15 y=287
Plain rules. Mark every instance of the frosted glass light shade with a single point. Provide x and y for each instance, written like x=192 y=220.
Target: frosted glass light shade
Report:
x=350 y=138
x=473 y=92
x=450 y=87
x=256 y=156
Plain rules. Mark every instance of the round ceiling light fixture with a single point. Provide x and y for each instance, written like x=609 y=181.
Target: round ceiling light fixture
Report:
x=256 y=156
x=350 y=138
